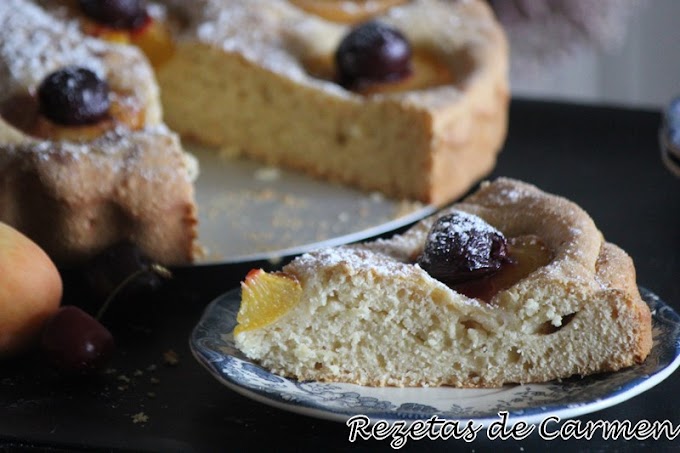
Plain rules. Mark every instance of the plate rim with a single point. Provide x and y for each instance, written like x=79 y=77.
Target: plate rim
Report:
x=532 y=415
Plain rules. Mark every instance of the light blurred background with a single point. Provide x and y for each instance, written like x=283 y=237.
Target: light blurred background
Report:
x=642 y=70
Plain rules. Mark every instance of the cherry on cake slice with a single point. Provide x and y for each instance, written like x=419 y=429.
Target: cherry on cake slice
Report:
x=511 y=285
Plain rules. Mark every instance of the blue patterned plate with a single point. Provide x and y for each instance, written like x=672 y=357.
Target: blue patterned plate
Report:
x=213 y=345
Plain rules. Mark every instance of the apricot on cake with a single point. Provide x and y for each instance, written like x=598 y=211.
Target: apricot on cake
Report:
x=85 y=160
x=259 y=78
x=553 y=299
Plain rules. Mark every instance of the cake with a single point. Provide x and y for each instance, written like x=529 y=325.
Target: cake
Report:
x=77 y=184
x=511 y=285
x=255 y=78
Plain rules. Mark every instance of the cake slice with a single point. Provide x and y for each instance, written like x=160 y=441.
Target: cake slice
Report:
x=85 y=159
x=512 y=285
x=256 y=78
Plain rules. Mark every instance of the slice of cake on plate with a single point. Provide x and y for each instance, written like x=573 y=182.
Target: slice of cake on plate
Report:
x=512 y=285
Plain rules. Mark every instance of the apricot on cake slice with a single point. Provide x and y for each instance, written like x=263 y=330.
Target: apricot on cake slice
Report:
x=266 y=297
x=511 y=285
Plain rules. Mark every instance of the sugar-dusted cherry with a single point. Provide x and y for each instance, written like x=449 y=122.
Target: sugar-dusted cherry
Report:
x=461 y=247
x=74 y=96
x=372 y=52
x=119 y=14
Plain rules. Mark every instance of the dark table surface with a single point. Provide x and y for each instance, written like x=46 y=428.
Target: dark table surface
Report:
x=605 y=159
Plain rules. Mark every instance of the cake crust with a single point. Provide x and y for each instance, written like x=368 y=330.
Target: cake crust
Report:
x=369 y=315
x=76 y=199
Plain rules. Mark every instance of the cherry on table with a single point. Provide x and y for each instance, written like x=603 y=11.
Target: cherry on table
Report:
x=76 y=343
x=372 y=52
x=74 y=96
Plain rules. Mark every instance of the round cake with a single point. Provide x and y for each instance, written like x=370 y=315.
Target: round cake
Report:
x=309 y=85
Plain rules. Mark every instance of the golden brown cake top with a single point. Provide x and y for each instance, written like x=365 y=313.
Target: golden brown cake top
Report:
x=517 y=208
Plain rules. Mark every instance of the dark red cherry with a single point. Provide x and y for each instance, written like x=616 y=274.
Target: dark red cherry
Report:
x=120 y=14
x=74 y=96
x=76 y=343
x=462 y=247
x=372 y=52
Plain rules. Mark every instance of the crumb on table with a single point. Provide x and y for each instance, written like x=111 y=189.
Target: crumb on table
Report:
x=170 y=357
x=140 y=417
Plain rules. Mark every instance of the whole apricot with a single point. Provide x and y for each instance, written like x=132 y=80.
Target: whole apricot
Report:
x=30 y=291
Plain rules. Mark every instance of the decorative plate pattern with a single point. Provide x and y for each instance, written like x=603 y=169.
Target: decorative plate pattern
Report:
x=213 y=345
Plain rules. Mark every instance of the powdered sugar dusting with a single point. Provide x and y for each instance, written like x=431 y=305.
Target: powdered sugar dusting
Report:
x=353 y=259
x=386 y=257
x=34 y=43
x=251 y=28
x=463 y=241
x=465 y=223
x=505 y=192
x=119 y=151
